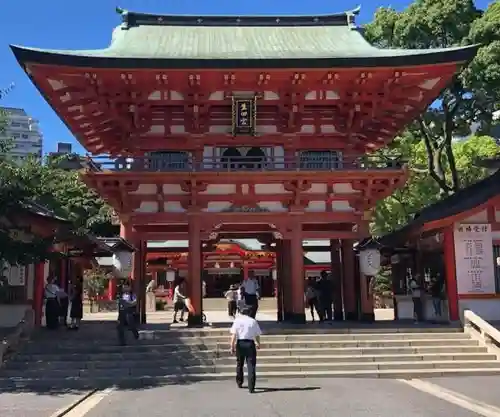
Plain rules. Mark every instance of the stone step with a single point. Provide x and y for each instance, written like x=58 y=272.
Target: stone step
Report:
x=146 y=345
x=141 y=381
x=229 y=359
x=265 y=367
x=316 y=337
x=105 y=330
x=124 y=354
x=153 y=339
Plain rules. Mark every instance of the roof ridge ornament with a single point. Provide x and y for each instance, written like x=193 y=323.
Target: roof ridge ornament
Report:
x=351 y=17
x=124 y=13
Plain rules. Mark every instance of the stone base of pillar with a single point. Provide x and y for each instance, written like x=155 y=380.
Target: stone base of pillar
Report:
x=368 y=317
x=195 y=320
x=351 y=316
x=338 y=315
x=287 y=315
x=143 y=318
x=297 y=318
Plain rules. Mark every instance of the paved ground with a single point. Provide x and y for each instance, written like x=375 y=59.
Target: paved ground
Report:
x=469 y=397
x=288 y=398
x=33 y=405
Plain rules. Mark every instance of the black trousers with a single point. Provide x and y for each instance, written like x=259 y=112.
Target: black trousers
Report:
x=246 y=352
x=52 y=309
x=231 y=308
x=418 y=309
x=326 y=308
x=126 y=320
x=252 y=301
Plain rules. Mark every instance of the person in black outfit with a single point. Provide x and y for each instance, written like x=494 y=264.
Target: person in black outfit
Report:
x=326 y=296
x=76 y=310
x=127 y=316
x=245 y=340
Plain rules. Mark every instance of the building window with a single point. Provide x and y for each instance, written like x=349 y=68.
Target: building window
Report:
x=15 y=124
x=231 y=158
x=16 y=135
x=169 y=161
x=255 y=159
x=321 y=160
x=25 y=136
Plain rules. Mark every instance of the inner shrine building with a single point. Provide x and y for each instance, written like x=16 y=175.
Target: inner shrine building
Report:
x=231 y=127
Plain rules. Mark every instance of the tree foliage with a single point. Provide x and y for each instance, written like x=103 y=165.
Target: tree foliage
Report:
x=58 y=190
x=420 y=189
x=472 y=95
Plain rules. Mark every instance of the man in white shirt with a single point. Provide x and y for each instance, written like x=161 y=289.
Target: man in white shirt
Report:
x=251 y=294
x=245 y=340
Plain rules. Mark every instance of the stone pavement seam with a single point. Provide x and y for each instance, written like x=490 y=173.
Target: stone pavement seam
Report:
x=453 y=397
x=65 y=410
x=84 y=407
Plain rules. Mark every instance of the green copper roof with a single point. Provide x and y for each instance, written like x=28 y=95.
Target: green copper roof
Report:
x=186 y=41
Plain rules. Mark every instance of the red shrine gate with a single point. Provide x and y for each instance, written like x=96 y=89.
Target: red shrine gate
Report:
x=265 y=131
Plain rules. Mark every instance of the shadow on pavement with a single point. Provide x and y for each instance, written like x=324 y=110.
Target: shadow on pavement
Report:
x=285 y=389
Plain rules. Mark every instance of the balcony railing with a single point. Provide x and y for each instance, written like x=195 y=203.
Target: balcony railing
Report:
x=165 y=163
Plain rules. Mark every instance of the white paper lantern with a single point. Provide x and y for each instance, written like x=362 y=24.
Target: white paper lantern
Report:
x=122 y=261
x=369 y=262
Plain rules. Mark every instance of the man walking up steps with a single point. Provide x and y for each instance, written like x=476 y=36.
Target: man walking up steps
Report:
x=245 y=340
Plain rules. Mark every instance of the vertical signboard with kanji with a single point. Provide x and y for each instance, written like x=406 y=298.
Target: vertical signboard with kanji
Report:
x=244 y=113
x=475 y=266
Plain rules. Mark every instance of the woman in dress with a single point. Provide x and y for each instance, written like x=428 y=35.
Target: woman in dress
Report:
x=76 y=312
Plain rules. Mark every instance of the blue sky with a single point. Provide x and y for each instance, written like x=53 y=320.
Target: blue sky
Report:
x=66 y=24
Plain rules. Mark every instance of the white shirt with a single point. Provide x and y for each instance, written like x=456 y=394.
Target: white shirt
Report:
x=178 y=296
x=415 y=289
x=51 y=291
x=231 y=295
x=245 y=328
x=251 y=286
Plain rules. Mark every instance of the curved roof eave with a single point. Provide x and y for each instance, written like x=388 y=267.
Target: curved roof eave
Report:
x=104 y=59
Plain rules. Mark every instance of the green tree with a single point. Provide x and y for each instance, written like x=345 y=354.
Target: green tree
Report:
x=94 y=284
x=64 y=192
x=470 y=98
x=420 y=189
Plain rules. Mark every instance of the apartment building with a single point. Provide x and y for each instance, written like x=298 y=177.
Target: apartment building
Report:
x=24 y=132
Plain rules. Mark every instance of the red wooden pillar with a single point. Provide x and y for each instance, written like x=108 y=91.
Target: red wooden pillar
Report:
x=63 y=275
x=348 y=277
x=112 y=289
x=297 y=275
x=245 y=271
x=285 y=279
x=278 y=284
x=450 y=273
x=194 y=271
x=38 y=292
x=336 y=277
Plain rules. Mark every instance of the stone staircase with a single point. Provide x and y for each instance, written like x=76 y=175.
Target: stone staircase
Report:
x=92 y=357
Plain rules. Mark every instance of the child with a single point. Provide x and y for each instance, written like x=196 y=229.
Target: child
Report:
x=231 y=297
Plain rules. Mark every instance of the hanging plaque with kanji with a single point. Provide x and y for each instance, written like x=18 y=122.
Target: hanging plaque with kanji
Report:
x=244 y=114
